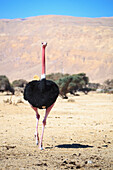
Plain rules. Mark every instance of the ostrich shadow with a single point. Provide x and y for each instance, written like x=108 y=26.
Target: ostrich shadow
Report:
x=76 y=146
x=71 y=146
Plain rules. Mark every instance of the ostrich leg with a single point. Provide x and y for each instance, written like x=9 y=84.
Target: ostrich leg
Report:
x=37 y=121
x=43 y=125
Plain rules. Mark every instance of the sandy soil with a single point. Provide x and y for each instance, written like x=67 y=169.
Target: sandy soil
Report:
x=78 y=135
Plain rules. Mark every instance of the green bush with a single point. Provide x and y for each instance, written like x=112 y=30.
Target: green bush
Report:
x=5 y=84
x=72 y=83
x=19 y=83
x=56 y=76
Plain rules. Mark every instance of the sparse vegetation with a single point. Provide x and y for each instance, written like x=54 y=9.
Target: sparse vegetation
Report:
x=5 y=84
x=67 y=84
x=63 y=84
x=109 y=83
x=19 y=86
x=72 y=83
x=19 y=83
x=94 y=86
x=108 y=86
x=56 y=76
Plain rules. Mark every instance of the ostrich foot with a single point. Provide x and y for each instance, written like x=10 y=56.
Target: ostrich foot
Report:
x=41 y=147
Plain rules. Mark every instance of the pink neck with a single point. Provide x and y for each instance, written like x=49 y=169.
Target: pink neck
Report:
x=43 y=60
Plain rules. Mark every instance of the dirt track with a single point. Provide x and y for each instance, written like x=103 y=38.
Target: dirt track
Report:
x=78 y=135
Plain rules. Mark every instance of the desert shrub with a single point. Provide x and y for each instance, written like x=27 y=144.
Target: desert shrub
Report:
x=108 y=86
x=72 y=83
x=19 y=83
x=79 y=81
x=63 y=85
x=5 y=84
x=93 y=86
x=109 y=83
x=56 y=76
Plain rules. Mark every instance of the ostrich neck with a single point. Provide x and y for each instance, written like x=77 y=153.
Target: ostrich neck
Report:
x=43 y=75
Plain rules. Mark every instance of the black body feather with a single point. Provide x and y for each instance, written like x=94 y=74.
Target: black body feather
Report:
x=41 y=93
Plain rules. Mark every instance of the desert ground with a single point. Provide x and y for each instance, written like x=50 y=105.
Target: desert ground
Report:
x=78 y=134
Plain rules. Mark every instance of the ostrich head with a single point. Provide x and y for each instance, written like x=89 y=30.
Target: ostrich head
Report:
x=44 y=44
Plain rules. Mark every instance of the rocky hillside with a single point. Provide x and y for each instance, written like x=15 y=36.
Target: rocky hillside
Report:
x=74 y=45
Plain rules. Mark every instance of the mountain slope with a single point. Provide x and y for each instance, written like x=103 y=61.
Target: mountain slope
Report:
x=74 y=45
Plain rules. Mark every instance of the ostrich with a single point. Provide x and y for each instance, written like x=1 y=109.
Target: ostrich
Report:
x=41 y=94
